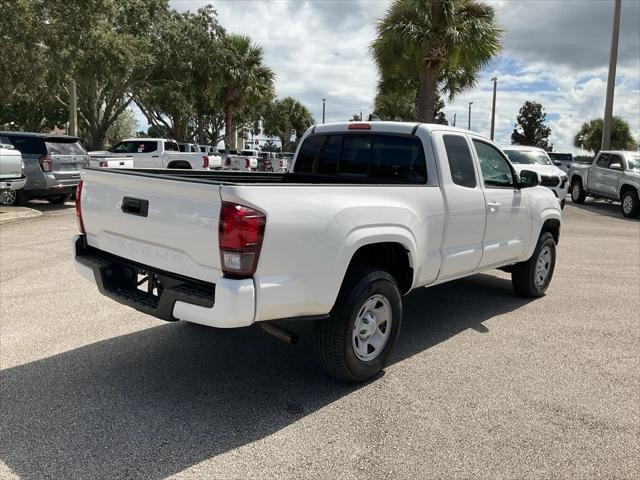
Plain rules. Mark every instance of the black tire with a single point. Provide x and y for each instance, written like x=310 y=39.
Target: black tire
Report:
x=524 y=275
x=333 y=337
x=578 y=194
x=629 y=204
x=58 y=199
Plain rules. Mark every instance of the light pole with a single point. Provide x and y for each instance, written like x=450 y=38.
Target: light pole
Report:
x=611 y=80
x=469 y=123
x=454 y=118
x=493 y=108
x=324 y=101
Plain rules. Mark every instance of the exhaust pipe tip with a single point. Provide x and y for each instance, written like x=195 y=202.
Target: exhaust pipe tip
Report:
x=282 y=334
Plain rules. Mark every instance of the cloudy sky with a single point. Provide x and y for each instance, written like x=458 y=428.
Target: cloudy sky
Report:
x=555 y=52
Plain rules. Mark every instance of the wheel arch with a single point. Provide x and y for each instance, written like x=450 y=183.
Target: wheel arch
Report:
x=627 y=187
x=179 y=164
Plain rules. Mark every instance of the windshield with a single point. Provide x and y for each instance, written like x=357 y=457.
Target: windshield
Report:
x=565 y=157
x=528 y=157
x=633 y=162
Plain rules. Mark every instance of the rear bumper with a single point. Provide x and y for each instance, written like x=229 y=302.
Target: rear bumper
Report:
x=13 y=183
x=226 y=304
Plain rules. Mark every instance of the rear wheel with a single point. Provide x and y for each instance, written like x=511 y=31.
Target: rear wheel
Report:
x=58 y=199
x=13 y=197
x=353 y=344
x=577 y=192
x=630 y=204
x=531 y=278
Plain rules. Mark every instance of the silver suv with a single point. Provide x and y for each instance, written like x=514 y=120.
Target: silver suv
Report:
x=52 y=164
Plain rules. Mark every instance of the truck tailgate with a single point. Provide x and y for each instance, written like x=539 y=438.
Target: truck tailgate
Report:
x=157 y=221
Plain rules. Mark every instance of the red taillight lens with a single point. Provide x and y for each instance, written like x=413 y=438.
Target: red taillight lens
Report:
x=247 y=163
x=103 y=164
x=205 y=161
x=240 y=236
x=359 y=126
x=79 y=206
x=46 y=163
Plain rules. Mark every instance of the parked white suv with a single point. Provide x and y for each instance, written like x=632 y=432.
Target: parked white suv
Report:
x=12 y=177
x=537 y=160
x=370 y=212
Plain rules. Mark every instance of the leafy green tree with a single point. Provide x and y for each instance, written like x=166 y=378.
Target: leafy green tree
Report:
x=530 y=129
x=285 y=118
x=397 y=101
x=589 y=137
x=246 y=82
x=270 y=146
x=180 y=96
x=125 y=126
x=106 y=48
x=438 y=44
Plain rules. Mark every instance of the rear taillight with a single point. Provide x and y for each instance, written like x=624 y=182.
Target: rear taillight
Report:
x=359 y=126
x=240 y=234
x=205 y=161
x=247 y=163
x=227 y=162
x=103 y=164
x=46 y=163
x=79 y=206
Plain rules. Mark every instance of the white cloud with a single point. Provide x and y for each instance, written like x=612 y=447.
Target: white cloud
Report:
x=554 y=52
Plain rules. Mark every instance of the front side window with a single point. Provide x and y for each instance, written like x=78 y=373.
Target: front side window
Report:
x=603 y=160
x=171 y=147
x=616 y=162
x=460 y=161
x=496 y=171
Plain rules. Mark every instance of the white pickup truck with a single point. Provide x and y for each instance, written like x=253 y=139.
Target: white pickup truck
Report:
x=369 y=212
x=614 y=175
x=151 y=153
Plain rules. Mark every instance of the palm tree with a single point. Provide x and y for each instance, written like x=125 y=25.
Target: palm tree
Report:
x=438 y=44
x=246 y=81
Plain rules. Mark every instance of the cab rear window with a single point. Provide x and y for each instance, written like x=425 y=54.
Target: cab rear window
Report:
x=377 y=157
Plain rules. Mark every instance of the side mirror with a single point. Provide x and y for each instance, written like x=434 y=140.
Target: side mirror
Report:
x=557 y=163
x=615 y=166
x=528 y=179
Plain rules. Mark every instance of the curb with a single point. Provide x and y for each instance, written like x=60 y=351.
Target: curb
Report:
x=10 y=214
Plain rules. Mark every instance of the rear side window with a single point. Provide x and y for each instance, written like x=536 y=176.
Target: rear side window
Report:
x=395 y=158
x=64 y=147
x=308 y=153
x=460 y=161
x=29 y=145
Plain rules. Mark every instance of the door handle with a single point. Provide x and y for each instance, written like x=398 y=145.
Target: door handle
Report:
x=493 y=206
x=155 y=156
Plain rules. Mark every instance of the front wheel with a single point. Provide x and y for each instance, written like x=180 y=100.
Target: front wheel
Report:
x=578 y=194
x=353 y=344
x=531 y=278
x=630 y=204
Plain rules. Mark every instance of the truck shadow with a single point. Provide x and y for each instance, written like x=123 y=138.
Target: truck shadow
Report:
x=602 y=207
x=158 y=401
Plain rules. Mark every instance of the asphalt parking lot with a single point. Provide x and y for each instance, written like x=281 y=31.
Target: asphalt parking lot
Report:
x=483 y=384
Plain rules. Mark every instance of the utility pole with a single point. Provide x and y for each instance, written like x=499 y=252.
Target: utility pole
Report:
x=73 y=109
x=454 y=118
x=611 y=80
x=324 y=100
x=493 y=108
x=469 y=124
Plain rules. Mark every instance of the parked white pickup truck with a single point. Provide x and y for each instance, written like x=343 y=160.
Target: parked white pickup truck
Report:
x=614 y=175
x=370 y=212
x=12 y=177
x=244 y=161
x=153 y=153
